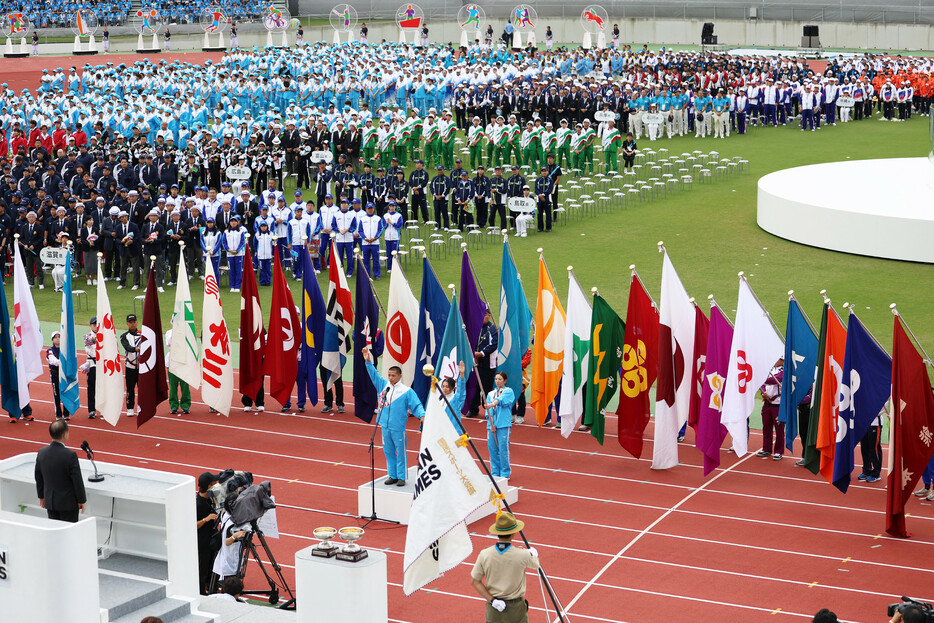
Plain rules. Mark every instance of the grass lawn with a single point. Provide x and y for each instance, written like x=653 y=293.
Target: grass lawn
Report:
x=710 y=233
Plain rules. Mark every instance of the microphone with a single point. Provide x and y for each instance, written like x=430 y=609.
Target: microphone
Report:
x=97 y=477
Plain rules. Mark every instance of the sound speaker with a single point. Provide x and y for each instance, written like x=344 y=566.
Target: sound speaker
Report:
x=811 y=31
x=707 y=37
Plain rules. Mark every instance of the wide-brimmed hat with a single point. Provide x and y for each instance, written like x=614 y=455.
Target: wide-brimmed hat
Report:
x=507 y=523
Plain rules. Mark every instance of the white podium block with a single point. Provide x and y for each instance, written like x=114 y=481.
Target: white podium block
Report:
x=395 y=503
x=516 y=40
x=92 y=44
x=349 y=36
x=601 y=41
x=532 y=41
x=587 y=43
x=335 y=591
x=8 y=49
x=77 y=47
x=464 y=41
x=42 y=557
x=402 y=36
x=207 y=42
x=22 y=46
x=155 y=41
x=285 y=38
x=268 y=38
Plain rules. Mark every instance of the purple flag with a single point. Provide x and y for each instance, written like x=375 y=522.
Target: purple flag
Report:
x=473 y=309
x=710 y=432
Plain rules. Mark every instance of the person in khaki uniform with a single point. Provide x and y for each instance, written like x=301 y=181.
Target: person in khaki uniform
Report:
x=499 y=573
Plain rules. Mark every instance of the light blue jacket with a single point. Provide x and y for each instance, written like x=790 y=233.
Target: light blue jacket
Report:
x=404 y=401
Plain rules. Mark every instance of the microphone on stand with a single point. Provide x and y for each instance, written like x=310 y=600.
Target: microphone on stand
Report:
x=97 y=477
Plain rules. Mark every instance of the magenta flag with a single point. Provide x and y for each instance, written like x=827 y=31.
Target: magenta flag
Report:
x=710 y=432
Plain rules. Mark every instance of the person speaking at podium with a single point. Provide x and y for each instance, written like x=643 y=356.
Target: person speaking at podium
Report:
x=396 y=401
x=58 y=477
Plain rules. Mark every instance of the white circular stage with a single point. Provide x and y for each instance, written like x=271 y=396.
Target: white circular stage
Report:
x=879 y=208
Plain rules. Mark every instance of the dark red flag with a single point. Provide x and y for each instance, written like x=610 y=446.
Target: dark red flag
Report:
x=640 y=366
x=153 y=380
x=701 y=325
x=252 y=332
x=281 y=361
x=911 y=443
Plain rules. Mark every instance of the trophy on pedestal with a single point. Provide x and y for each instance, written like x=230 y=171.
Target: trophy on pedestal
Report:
x=351 y=552
x=325 y=549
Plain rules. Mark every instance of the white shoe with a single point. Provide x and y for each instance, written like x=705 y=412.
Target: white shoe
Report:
x=136 y=288
x=260 y=408
x=160 y=289
x=95 y=282
x=247 y=409
x=41 y=287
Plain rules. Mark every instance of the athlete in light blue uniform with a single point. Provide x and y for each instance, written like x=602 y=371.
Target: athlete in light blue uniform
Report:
x=498 y=407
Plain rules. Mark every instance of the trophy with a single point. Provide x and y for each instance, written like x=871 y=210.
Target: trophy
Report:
x=351 y=552
x=325 y=549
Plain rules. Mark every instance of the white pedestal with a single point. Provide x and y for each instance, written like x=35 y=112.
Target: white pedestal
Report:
x=464 y=40
x=335 y=591
x=8 y=49
x=45 y=557
x=402 y=36
x=532 y=41
x=285 y=38
x=588 y=41
x=516 y=40
x=77 y=47
x=207 y=41
x=155 y=42
x=92 y=44
x=394 y=503
x=22 y=46
x=141 y=512
x=349 y=36
x=601 y=41
x=268 y=38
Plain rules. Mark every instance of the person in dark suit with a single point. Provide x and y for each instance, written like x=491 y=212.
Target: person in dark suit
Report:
x=32 y=239
x=58 y=477
x=153 y=239
x=128 y=243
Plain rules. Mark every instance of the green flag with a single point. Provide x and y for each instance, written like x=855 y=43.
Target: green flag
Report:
x=606 y=353
x=810 y=452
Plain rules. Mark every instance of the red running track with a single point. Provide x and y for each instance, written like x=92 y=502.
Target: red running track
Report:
x=757 y=540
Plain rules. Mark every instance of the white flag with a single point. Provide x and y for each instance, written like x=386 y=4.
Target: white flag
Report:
x=401 y=327
x=217 y=385
x=109 y=384
x=755 y=349
x=675 y=357
x=576 y=357
x=185 y=351
x=27 y=342
x=448 y=488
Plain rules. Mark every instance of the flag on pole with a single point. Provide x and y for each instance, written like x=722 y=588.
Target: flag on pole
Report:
x=548 y=353
x=449 y=487
x=800 y=360
x=313 y=321
x=701 y=328
x=337 y=331
x=911 y=440
x=454 y=348
x=432 y=320
x=9 y=386
x=755 y=350
x=473 y=309
x=109 y=386
x=675 y=354
x=281 y=361
x=216 y=360
x=401 y=328
x=365 y=335
x=710 y=431
x=27 y=333
x=252 y=332
x=153 y=386
x=640 y=367
x=68 y=368
x=185 y=351
x=825 y=440
x=810 y=454
x=576 y=367
x=865 y=387
x=515 y=318
x=606 y=354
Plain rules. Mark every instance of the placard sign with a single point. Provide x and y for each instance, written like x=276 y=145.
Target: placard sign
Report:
x=605 y=115
x=238 y=173
x=521 y=204
x=653 y=117
x=318 y=156
x=56 y=256
x=845 y=101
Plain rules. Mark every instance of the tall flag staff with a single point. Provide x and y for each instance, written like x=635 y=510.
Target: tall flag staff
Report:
x=432 y=317
x=473 y=305
x=710 y=429
x=548 y=351
x=576 y=356
x=500 y=498
x=801 y=344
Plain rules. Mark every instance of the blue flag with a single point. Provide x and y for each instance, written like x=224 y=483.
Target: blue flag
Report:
x=313 y=320
x=68 y=369
x=800 y=367
x=863 y=389
x=473 y=309
x=432 y=319
x=515 y=320
x=366 y=334
x=454 y=348
x=9 y=382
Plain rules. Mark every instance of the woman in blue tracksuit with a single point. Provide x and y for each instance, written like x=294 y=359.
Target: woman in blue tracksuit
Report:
x=498 y=407
x=455 y=391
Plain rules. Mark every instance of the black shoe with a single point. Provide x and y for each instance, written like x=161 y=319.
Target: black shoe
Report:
x=186 y=411
x=326 y=408
x=340 y=409
x=286 y=409
x=400 y=483
x=390 y=481
x=174 y=412
x=473 y=414
x=92 y=415
x=301 y=409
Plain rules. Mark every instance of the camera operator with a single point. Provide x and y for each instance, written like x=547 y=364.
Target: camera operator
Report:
x=227 y=562
x=207 y=527
x=909 y=613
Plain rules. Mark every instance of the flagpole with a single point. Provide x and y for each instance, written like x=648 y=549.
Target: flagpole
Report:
x=632 y=267
x=713 y=304
x=791 y=297
x=361 y=267
x=742 y=276
x=852 y=311
x=927 y=358
x=433 y=274
x=429 y=371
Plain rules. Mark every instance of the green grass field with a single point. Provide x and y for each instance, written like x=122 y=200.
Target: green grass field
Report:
x=710 y=233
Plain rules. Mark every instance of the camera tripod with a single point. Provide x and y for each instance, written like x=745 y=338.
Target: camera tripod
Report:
x=275 y=583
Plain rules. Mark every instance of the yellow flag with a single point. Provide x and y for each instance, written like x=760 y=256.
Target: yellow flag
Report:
x=548 y=351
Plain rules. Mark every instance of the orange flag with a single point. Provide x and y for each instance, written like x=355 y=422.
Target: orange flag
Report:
x=548 y=350
x=832 y=374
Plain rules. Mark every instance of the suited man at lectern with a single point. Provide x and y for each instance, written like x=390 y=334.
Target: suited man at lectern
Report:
x=58 y=477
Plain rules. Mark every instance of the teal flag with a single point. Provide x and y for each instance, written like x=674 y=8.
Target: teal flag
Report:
x=68 y=369
x=515 y=320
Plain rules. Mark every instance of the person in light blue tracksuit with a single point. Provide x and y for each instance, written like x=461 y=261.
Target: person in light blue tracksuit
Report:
x=396 y=401
x=498 y=407
x=455 y=390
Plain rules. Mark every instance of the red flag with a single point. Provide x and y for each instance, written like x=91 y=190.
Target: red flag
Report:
x=281 y=363
x=829 y=403
x=252 y=332
x=640 y=367
x=153 y=381
x=701 y=325
x=912 y=433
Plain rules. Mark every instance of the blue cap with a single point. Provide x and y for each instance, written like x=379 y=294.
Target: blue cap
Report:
x=209 y=219
x=328 y=196
x=298 y=193
x=355 y=201
x=369 y=204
